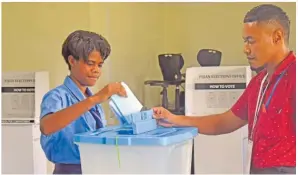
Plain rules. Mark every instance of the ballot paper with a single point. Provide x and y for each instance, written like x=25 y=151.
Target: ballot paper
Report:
x=119 y=116
x=126 y=105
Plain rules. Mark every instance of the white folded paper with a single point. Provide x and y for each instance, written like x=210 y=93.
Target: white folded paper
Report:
x=127 y=105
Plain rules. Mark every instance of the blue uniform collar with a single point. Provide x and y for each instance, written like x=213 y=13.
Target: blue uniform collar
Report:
x=77 y=93
x=70 y=84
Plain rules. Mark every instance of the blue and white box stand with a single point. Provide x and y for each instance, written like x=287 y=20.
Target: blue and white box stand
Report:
x=137 y=145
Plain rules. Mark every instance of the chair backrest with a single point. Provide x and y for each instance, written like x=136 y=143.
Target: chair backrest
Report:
x=170 y=65
x=209 y=57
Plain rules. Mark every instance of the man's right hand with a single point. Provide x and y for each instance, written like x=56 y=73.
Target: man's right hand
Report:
x=109 y=90
x=209 y=125
x=164 y=117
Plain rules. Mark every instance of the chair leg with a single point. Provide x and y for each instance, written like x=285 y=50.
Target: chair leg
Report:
x=177 y=99
x=165 y=98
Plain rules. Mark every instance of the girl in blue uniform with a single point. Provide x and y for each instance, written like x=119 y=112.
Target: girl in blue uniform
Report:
x=71 y=107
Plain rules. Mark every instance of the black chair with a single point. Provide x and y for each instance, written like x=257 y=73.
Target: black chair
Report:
x=170 y=65
x=209 y=57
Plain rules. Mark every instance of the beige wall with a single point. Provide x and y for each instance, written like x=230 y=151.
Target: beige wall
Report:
x=34 y=32
x=194 y=26
x=135 y=31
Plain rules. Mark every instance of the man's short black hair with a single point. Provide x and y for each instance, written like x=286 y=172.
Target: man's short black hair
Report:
x=269 y=13
x=80 y=44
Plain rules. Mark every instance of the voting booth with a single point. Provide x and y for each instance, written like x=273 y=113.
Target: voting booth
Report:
x=213 y=90
x=22 y=93
x=138 y=145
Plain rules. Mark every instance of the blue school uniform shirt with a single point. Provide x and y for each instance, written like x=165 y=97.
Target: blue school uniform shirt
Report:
x=59 y=146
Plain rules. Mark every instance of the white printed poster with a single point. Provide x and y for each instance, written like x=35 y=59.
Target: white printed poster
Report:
x=21 y=95
x=214 y=89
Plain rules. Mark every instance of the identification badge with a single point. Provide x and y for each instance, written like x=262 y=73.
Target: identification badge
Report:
x=248 y=157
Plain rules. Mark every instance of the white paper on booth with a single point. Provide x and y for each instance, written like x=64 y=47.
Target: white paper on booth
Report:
x=214 y=90
x=18 y=89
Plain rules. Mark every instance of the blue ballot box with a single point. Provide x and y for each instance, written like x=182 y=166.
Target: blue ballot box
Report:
x=137 y=145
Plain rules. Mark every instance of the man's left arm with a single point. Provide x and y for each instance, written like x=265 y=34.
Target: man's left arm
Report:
x=293 y=104
x=293 y=97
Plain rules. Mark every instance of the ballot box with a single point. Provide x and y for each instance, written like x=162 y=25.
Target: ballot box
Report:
x=130 y=149
x=136 y=146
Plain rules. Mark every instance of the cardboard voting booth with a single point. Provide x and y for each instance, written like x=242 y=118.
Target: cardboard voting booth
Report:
x=22 y=93
x=213 y=90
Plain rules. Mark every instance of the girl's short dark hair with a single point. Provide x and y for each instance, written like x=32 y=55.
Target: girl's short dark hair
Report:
x=80 y=44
